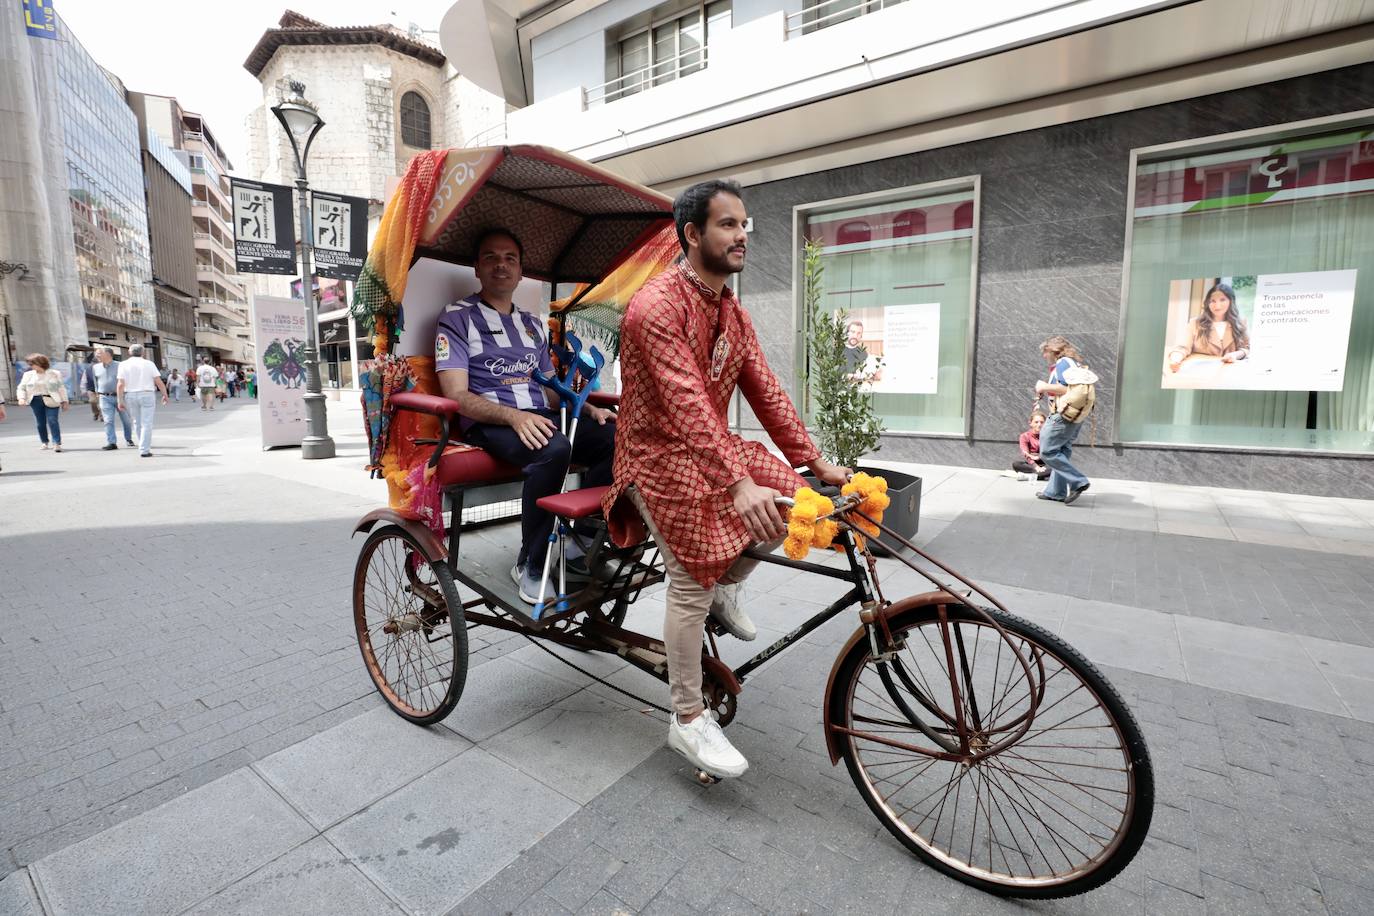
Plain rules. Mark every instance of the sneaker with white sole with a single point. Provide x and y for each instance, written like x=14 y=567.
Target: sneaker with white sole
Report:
x=727 y=612
x=705 y=746
x=528 y=586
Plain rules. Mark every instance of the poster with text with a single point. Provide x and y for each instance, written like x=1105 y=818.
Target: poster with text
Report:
x=1264 y=332
x=279 y=335
x=895 y=350
x=339 y=225
x=264 y=235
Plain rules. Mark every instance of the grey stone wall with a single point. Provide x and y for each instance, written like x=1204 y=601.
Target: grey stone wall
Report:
x=1051 y=247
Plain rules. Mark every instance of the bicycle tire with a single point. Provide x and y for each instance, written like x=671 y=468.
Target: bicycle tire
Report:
x=1004 y=785
x=400 y=615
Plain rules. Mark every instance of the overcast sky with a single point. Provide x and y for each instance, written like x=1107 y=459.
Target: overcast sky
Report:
x=196 y=51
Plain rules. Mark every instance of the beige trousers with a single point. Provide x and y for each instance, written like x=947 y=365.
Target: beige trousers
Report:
x=684 y=618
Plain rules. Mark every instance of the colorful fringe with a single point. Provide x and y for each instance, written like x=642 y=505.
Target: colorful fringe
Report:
x=600 y=312
x=377 y=296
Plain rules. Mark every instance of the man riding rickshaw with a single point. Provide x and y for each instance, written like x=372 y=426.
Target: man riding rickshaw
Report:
x=932 y=697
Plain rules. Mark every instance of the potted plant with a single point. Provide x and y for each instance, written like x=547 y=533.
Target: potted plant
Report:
x=842 y=415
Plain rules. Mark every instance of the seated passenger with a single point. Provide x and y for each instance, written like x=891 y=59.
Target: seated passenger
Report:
x=486 y=352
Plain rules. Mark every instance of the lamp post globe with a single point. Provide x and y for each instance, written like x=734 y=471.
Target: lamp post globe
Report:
x=302 y=122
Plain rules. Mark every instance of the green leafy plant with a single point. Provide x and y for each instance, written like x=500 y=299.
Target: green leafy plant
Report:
x=843 y=417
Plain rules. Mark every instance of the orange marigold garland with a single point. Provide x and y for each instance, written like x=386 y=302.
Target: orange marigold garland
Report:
x=807 y=526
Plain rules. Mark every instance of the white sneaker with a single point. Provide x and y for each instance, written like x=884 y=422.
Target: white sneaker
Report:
x=705 y=746
x=727 y=612
x=528 y=586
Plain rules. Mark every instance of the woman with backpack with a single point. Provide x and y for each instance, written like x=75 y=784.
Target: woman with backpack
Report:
x=1070 y=387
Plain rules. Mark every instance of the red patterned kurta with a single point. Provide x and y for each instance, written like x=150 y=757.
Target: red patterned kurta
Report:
x=672 y=436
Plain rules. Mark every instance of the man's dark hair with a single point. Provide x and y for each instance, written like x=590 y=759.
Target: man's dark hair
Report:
x=497 y=230
x=694 y=205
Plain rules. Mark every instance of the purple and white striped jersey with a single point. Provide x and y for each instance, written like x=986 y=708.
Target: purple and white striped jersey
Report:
x=500 y=352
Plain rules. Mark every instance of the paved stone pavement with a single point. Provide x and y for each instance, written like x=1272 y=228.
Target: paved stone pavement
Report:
x=126 y=785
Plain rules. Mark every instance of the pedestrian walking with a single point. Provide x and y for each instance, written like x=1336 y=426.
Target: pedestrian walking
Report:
x=231 y=378
x=1070 y=409
x=92 y=398
x=253 y=384
x=206 y=376
x=174 y=385
x=43 y=389
x=139 y=382
x=101 y=384
x=191 y=383
x=2 y=412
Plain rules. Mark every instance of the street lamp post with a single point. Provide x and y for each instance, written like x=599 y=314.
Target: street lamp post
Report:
x=302 y=122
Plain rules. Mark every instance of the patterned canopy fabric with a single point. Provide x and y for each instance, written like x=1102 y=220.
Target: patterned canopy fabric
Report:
x=576 y=222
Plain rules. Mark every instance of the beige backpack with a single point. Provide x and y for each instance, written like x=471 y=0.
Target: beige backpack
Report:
x=1075 y=404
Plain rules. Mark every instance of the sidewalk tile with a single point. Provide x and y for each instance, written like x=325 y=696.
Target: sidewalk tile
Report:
x=581 y=752
x=599 y=663
x=1257 y=676
x=442 y=836
x=1123 y=648
x=17 y=896
x=172 y=856
x=1199 y=632
x=346 y=768
x=1357 y=693
x=500 y=693
x=311 y=879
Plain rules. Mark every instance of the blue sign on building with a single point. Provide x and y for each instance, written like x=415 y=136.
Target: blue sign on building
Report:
x=40 y=18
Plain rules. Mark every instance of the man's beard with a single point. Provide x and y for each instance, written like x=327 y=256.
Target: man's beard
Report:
x=718 y=264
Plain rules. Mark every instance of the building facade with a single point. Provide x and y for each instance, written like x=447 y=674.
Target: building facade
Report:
x=74 y=210
x=384 y=95
x=167 y=188
x=109 y=213
x=983 y=176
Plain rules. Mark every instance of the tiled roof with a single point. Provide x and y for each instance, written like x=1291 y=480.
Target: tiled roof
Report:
x=295 y=29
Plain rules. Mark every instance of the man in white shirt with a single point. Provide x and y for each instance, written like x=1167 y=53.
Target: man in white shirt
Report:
x=230 y=380
x=206 y=375
x=138 y=383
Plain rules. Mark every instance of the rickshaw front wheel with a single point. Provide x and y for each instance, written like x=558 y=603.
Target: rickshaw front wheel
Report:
x=1060 y=811
x=410 y=625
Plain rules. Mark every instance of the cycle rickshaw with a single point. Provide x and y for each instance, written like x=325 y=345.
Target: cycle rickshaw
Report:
x=985 y=744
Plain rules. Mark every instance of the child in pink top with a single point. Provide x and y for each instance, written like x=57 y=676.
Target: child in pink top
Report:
x=1029 y=441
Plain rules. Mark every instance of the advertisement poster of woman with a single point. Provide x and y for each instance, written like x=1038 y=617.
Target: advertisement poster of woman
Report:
x=1266 y=332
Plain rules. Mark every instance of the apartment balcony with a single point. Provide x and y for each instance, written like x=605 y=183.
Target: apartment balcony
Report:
x=206 y=273
x=208 y=241
x=222 y=311
x=215 y=339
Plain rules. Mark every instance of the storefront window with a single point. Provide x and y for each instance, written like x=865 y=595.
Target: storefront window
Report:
x=1250 y=300
x=901 y=267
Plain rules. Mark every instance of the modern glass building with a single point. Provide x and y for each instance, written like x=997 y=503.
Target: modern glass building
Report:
x=108 y=207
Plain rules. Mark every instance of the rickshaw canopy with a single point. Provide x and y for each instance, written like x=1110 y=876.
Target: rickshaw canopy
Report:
x=576 y=221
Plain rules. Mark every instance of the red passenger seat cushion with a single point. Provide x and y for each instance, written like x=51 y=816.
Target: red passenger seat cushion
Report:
x=574 y=503
x=469 y=465
x=425 y=403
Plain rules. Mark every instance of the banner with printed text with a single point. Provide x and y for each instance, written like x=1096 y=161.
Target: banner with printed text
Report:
x=340 y=230
x=264 y=232
x=279 y=333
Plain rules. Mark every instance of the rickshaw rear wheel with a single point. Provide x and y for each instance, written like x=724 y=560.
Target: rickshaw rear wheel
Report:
x=1059 y=812
x=410 y=625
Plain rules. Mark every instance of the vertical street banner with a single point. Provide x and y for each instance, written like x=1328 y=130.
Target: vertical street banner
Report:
x=40 y=19
x=264 y=233
x=279 y=334
x=340 y=228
